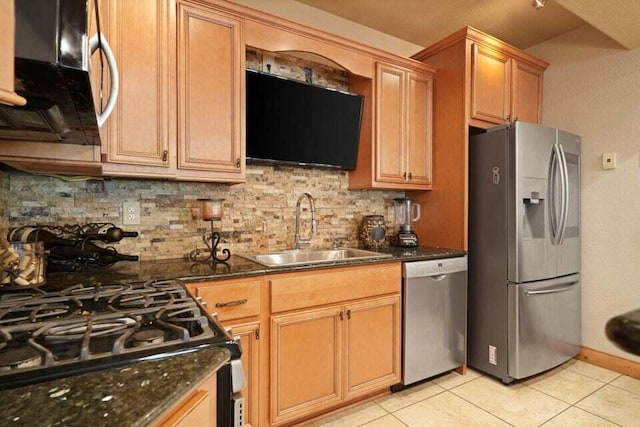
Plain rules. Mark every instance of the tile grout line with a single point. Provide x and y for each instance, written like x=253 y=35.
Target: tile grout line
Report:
x=482 y=409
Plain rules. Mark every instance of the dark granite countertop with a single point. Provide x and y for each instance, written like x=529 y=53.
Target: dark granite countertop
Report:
x=132 y=395
x=130 y=272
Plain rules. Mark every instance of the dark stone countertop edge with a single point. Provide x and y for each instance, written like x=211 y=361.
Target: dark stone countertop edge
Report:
x=135 y=395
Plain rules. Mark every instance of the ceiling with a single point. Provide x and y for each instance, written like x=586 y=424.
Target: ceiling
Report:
x=424 y=22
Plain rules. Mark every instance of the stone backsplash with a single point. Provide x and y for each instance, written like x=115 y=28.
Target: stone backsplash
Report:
x=259 y=215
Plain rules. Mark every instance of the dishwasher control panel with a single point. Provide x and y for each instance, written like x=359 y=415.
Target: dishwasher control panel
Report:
x=434 y=267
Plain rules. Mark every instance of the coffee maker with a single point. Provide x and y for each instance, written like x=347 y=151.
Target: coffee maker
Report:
x=407 y=212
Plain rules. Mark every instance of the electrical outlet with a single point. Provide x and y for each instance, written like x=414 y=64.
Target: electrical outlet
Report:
x=130 y=213
x=609 y=161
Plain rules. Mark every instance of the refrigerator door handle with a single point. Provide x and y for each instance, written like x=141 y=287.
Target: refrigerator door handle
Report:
x=552 y=290
x=553 y=217
x=565 y=194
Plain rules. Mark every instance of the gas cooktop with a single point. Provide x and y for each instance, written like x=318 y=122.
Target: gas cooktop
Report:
x=55 y=333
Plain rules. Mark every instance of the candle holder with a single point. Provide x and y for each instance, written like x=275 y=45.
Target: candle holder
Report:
x=210 y=210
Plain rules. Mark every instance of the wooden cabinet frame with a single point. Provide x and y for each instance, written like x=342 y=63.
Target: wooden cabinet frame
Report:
x=457 y=108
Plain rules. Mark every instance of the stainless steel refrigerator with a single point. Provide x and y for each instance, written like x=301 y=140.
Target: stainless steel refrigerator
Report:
x=524 y=250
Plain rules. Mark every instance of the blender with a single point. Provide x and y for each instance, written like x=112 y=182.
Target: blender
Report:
x=407 y=212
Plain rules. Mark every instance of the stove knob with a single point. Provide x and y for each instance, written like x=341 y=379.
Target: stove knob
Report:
x=214 y=314
x=201 y=301
x=229 y=330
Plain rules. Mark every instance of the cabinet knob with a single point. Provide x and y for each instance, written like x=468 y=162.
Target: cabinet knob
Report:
x=348 y=314
x=341 y=316
x=238 y=162
x=165 y=155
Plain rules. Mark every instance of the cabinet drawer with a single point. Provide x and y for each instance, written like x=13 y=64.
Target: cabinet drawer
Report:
x=298 y=290
x=231 y=300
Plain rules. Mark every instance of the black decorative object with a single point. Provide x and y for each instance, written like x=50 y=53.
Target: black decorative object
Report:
x=210 y=210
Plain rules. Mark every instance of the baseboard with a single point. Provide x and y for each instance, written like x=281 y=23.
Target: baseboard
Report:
x=609 y=361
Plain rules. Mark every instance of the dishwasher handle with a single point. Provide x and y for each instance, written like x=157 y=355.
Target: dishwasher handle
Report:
x=438 y=277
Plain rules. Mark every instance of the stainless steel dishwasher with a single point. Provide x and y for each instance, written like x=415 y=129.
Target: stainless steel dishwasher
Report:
x=434 y=318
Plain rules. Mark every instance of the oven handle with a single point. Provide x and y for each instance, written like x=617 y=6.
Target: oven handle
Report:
x=232 y=303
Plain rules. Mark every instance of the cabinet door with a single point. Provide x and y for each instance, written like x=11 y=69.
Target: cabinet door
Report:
x=390 y=124
x=7 y=24
x=249 y=334
x=526 y=93
x=210 y=93
x=372 y=345
x=139 y=129
x=306 y=373
x=419 y=130
x=490 y=78
x=197 y=410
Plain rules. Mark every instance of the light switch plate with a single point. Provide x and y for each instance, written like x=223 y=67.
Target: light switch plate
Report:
x=609 y=161
x=130 y=213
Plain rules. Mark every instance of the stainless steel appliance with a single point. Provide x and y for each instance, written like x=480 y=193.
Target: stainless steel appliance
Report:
x=434 y=295
x=524 y=249
x=53 y=51
x=48 y=334
x=407 y=212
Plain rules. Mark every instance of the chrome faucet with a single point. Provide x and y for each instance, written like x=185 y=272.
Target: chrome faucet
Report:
x=314 y=224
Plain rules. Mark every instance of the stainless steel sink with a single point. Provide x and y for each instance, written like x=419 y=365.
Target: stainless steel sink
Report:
x=312 y=256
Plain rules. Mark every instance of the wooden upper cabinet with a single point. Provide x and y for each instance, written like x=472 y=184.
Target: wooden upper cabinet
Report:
x=210 y=93
x=526 y=90
x=390 y=124
x=490 y=85
x=141 y=35
x=400 y=118
x=7 y=25
x=419 y=133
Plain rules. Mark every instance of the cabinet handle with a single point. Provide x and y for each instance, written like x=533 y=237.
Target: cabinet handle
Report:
x=341 y=316
x=231 y=303
x=409 y=176
x=348 y=314
x=238 y=162
x=404 y=176
x=165 y=155
x=509 y=118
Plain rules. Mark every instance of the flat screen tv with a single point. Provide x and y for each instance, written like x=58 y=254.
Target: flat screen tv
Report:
x=292 y=122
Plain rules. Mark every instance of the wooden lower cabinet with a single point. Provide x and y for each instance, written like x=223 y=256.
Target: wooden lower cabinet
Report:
x=372 y=345
x=249 y=334
x=237 y=304
x=198 y=409
x=306 y=368
x=321 y=358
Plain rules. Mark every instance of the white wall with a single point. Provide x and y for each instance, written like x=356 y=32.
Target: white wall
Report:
x=322 y=20
x=592 y=88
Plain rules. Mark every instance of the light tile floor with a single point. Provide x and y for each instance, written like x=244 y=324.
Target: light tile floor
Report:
x=574 y=394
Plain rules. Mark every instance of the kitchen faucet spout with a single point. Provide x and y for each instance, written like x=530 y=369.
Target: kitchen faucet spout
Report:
x=314 y=224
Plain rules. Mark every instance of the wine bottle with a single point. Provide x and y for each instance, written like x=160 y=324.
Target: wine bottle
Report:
x=72 y=253
x=34 y=234
x=106 y=232
x=113 y=258
x=104 y=256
